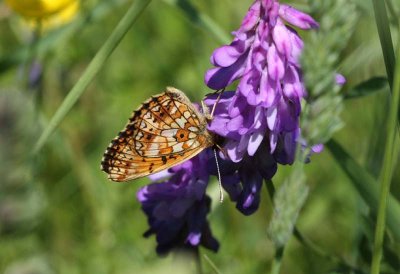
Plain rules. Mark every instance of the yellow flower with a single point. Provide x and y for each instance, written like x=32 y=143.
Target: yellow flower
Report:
x=50 y=13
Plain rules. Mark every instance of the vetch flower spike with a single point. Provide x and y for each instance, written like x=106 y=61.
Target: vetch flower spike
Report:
x=259 y=121
x=177 y=208
x=264 y=56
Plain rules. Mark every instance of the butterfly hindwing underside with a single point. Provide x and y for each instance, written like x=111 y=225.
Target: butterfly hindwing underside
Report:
x=166 y=130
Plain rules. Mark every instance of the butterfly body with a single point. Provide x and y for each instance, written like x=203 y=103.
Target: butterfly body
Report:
x=166 y=130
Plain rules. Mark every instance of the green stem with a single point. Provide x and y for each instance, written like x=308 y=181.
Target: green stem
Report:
x=199 y=268
x=387 y=171
x=276 y=264
x=94 y=67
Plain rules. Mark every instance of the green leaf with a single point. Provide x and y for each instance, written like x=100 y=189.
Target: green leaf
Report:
x=382 y=23
x=94 y=67
x=366 y=186
x=367 y=87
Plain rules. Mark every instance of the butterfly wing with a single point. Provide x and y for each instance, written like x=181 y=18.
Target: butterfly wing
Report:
x=165 y=131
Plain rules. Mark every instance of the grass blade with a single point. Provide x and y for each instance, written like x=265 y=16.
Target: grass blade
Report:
x=94 y=67
x=212 y=264
x=385 y=37
x=367 y=87
x=366 y=186
x=387 y=171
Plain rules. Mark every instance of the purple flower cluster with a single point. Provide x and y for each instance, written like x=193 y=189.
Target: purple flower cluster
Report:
x=258 y=122
x=265 y=57
x=177 y=208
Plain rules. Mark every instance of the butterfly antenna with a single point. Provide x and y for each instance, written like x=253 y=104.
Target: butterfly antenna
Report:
x=221 y=193
x=206 y=111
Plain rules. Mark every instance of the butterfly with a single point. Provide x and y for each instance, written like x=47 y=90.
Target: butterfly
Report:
x=166 y=130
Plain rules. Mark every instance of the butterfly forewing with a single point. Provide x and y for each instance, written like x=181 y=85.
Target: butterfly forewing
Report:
x=165 y=131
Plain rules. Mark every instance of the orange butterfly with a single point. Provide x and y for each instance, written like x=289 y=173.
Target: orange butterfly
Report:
x=166 y=130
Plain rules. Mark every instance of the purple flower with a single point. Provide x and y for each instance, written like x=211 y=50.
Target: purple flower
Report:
x=243 y=180
x=258 y=124
x=264 y=56
x=340 y=79
x=177 y=208
x=260 y=119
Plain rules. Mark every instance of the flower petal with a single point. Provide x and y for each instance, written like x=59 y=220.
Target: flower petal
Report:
x=282 y=39
x=276 y=69
x=340 y=79
x=221 y=77
x=255 y=140
x=297 y=18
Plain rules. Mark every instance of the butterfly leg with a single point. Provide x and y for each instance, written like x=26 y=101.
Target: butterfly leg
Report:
x=223 y=150
x=206 y=111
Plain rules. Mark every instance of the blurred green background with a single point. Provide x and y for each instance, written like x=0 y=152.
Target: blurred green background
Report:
x=59 y=213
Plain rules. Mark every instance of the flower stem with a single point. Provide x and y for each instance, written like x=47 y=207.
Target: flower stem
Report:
x=94 y=67
x=199 y=268
x=276 y=264
x=387 y=171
